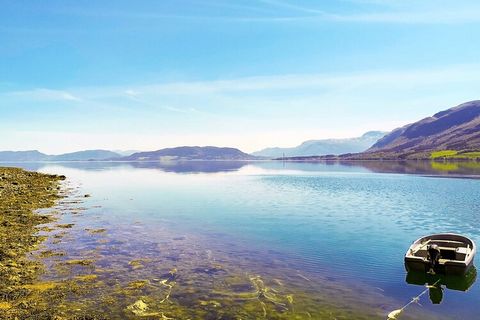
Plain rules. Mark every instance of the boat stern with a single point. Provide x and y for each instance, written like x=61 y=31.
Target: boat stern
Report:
x=418 y=264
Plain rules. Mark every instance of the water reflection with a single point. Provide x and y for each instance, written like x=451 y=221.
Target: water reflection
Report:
x=165 y=166
x=255 y=237
x=437 y=283
x=191 y=166
x=469 y=169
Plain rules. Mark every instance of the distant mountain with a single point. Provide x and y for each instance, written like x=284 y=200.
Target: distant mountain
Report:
x=325 y=146
x=457 y=129
x=189 y=153
x=31 y=155
x=34 y=155
x=86 y=155
x=179 y=153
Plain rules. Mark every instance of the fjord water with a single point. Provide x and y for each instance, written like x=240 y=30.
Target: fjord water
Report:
x=332 y=233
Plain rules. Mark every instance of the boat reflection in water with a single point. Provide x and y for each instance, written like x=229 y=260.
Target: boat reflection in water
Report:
x=437 y=283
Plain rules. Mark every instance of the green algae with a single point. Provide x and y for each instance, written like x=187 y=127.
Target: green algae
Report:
x=80 y=262
x=138 y=284
x=88 y=277
x=138 y=263
x=96 y=231
x=50 y=253
x=64 y=226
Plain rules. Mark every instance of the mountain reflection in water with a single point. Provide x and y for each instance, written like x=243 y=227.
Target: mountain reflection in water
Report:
x=467 y=169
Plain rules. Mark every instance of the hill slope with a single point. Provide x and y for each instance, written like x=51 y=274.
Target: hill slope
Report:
x=31 y=155
x=325 y=146
x=34 y=155
x=86 y=155
x=190 y=153
x=457 y=129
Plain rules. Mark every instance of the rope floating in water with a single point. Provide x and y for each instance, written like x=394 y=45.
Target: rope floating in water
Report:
x=395 y=313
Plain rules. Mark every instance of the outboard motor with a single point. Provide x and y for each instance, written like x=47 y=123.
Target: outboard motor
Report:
x=435 y=293
x=433 y=255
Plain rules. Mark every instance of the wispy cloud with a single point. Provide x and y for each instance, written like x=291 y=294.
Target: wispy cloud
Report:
x=295 y=7
x=44 y=95
x=467 y=15
x=408 y=12
x=184 y=110
x=400 y=79
x=281 y=96
x=255 y=112
x=368 y=11
x=383 y=78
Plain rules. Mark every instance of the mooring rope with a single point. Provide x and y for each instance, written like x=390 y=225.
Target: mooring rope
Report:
x=395 y=313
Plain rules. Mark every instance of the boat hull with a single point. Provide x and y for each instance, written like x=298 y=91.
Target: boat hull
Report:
x=414 y=264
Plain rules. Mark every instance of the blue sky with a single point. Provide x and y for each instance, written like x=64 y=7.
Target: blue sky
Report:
x=248 y=74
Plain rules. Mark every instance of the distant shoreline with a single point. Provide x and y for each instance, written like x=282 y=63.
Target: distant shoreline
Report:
x=424 y=167
x=287 y=159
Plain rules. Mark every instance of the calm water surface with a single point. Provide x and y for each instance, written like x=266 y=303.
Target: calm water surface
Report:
x=314 y=235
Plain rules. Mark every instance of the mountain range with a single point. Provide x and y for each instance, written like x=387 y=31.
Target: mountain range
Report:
x=168 y=154
x=34 y=155
x=452 y=133
x=325 y=146
x=190 y=153
x=455 y=129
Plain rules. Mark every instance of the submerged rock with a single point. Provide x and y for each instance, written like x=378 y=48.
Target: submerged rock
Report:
x=80 y=262
x=138 y=284
x=140 y=308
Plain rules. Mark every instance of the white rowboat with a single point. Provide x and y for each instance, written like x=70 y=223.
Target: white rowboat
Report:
x=445 y=253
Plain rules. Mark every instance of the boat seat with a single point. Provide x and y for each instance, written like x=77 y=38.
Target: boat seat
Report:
x=448 y=253
x=447 y=249
x=461 y=253
x=450 y=261
x=462 y=250
x=448 y=243
x=421 y=253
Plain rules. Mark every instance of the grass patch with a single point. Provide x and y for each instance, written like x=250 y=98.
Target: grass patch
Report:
x=454 y=154
x=474 y=154
x=443 y=154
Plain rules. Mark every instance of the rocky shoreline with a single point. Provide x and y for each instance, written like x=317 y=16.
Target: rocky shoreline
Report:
x=21 y=194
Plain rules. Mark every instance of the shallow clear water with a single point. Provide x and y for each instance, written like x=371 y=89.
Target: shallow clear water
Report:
x=335 y=231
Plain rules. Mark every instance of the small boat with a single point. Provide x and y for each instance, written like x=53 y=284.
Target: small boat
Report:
x=445 y=253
